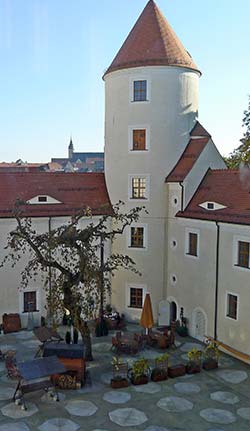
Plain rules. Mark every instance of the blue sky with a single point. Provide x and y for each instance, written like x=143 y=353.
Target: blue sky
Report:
x=53 y=54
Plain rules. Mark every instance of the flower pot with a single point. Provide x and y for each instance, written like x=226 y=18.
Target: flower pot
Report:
x=119 y=383
x=176 y=371
x=141 y=380
x=193 y=367
x=159 y=375
x=210 y=364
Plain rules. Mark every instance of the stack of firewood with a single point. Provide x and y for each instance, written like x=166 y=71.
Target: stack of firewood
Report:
x=66 y=381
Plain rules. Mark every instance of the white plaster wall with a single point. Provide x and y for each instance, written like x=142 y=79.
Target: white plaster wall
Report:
x=209 y=158
x=11 y=297
x=195 y=287
x=169 y=115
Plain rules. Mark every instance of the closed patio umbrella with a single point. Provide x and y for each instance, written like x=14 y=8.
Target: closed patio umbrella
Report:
x=147 y=319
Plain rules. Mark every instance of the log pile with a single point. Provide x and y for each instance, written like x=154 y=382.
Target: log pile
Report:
x=66 y=381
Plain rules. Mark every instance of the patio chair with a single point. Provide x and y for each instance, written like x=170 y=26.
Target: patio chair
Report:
x=44 y=335
x=11 y=365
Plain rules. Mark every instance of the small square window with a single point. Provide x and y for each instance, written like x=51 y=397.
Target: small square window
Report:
x=243 y=254
x=136 y=295
x=139 y=140
x=210 y=206
x=29 y=301
x=140 y=91
x=42 y=198
x=137 y=237
x=138 y=188
x=192 y=244
x=232 y=304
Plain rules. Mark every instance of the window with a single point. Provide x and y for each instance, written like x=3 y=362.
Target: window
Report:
x=140 y=91
x=136 y=297
x=138 y=188
x=29 y=301
x=42 y=198
x=192 y=245
x=139 y=140
x=232 y=306
x=243 y=254
x=210 y=206
x=137 y=237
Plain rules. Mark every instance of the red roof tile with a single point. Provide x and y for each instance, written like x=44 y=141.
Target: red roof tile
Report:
x=76 y=191
x=199 y=130
x=152 y=42
x=226 y=187
x=187 y=160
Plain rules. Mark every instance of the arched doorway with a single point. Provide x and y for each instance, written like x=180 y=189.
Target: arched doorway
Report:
x=173 y=311
x=199 y=323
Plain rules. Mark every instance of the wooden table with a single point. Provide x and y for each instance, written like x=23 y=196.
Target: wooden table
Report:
x=70 y=355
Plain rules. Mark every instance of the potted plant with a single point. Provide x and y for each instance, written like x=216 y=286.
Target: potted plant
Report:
x=139 y=373
x=160 y=372
x=211 y=355
x=194 y=361
x=120 y=372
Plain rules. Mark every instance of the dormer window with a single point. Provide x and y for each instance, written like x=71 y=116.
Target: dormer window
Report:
x=42 y=198
x=212 y=206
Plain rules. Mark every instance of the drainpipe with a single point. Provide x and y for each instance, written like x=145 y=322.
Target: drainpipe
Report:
x=216 y=280
x=182 y=196
x=50 y=272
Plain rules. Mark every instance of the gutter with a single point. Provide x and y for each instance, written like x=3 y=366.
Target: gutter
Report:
x=216 y=280
x=182 y=196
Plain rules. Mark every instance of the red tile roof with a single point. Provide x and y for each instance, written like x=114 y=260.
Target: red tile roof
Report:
x=199 y=130
x=225 y=187
x=152 y=42
x=188 y=159
x=75 y=191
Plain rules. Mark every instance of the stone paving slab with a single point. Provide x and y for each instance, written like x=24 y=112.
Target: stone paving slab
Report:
x=221 y=390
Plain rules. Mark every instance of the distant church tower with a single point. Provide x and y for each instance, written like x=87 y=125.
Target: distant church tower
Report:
x=70 y=149
x=151 y=90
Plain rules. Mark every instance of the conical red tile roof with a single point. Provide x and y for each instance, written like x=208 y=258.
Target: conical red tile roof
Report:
x=152 y=42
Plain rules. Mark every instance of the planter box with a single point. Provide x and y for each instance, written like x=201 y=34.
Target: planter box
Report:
x=117 y=384
x=176 y=371
x=142 y=380
x=193 y=368
x=158 y=377
x=11 y=323
x=210 y=364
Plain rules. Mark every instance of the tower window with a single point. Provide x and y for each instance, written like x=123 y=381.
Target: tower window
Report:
x=140 y=91
x=139 y=139
x=137 y=237
x=138 y=188
x=243 y=253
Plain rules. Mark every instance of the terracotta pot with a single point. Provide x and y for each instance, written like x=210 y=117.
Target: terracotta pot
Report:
x=193 y=368
x=176 y=371
x=210 y=364
x=159 y=375
x=117 y=384
x=141 y=380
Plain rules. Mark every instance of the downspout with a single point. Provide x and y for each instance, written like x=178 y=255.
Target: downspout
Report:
x=216 y=280
x=50 y=272
x=182 y=195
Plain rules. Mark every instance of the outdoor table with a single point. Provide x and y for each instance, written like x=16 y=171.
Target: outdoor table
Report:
x=72 y=356
x=41 y=368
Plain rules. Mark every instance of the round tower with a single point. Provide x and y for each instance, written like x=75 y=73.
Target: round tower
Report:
x=151 y=91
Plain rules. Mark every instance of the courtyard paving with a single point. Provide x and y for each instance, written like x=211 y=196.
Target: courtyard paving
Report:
x=211 y=401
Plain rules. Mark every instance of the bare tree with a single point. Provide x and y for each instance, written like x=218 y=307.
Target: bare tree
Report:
x=71 y=259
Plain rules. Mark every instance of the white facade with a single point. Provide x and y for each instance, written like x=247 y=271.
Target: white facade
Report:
x=168 y=115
